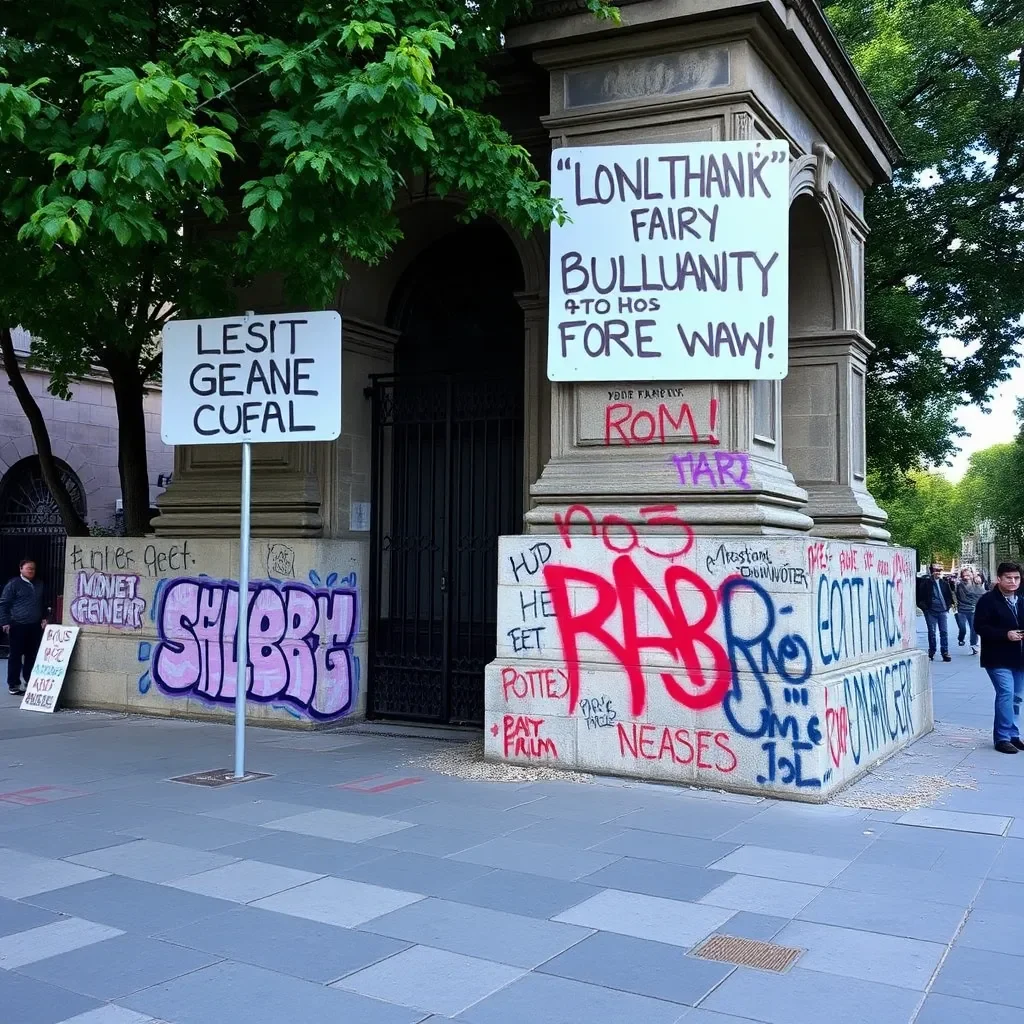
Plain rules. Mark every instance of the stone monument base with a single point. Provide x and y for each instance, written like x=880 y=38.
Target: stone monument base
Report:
x=772 y=666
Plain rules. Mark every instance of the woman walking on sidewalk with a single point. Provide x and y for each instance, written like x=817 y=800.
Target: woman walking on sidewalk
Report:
x=968 y=590
x=23 y=614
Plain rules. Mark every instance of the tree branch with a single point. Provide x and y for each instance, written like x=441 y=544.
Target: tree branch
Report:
x=73 y=522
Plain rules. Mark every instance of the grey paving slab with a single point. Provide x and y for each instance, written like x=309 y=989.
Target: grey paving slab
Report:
x=244 y=881
x=892 y=853
x=279 y=942
x=20 y=917
x=991 y=929
x=339 y=901
x=656 y=878
x=111 y=1014
x=782 y=864
x=256 y=812
x=769 y=896
x=594 y=805
x=307 y=853
x=870 y=956
x=536 y=858
x=958 y=890
x=432 y=980
x=840 y=839
x=27 y=1001
x=628 y=964
x=432 y=876
x=60 y=840
x=431 y=840
x=140 y=907
x=1000 y=896
x=478 y=931
x=542 y=999
x=328 y=824
x=943 y=1009
x=198 y=831
x=520 y=893
x=647 y=917
x=37 y=875
x=962 y=821
x=697 y=818
x=230 y=993
x=48 y=940
x=117 y=966
x=577 y=835
x=810 y=997
x=147 y=861
x=701 y=1016
x=745 y=925
x=471 y=819
x=982 y=975
x=671 y=849
x=890 y=915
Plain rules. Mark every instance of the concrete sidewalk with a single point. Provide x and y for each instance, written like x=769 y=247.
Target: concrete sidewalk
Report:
x=357 y=884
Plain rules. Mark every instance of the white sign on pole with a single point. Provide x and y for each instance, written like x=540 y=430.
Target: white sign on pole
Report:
x=51 y=667
x=675 y=265
x=271 y=377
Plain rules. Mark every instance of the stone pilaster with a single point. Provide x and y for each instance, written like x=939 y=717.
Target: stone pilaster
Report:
x=823 y=427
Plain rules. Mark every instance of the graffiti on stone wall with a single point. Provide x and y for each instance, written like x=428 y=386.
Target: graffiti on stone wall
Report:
x=107 y=599
x=300 y=643
x=614 y=624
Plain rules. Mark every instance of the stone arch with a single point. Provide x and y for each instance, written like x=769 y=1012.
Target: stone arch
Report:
x=26 y=503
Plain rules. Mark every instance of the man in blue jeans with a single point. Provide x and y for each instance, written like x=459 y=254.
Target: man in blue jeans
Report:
x=999 y=621
x=935 y=598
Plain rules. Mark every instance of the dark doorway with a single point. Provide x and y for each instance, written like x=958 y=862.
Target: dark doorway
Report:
x=447 y=477
x=31 y=526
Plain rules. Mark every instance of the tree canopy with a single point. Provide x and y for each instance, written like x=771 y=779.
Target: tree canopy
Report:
x=947 y=245
x=153 y=155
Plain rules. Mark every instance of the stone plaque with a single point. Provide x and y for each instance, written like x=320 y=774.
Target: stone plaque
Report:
x=646 y=414
x=666 y=74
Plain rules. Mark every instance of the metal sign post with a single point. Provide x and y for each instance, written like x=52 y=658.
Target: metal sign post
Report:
x=244 y=380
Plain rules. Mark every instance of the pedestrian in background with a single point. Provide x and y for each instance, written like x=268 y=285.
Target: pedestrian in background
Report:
x=968 y=590
x=935 y=598
x=999 y=620
x=23 y=614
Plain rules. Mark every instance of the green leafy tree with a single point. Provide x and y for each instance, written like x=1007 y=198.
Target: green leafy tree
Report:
x=154 y=154
x=947 y=241
x=927 y=513
x=992 y=487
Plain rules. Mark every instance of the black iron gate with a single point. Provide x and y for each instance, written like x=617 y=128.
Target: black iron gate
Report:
x=447 y=482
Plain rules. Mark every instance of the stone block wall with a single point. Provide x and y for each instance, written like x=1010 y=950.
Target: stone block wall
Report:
x=762 y=665
x=158 y=621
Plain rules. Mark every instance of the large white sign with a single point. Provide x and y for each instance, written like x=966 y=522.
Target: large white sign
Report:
x=675 y=265
x=47 y=679
x=271 y=377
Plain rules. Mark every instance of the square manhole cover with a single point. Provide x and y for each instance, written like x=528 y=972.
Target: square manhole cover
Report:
x=218 y=777
x=766 y=956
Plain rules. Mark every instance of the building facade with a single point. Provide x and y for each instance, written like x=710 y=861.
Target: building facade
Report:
x=485 y=547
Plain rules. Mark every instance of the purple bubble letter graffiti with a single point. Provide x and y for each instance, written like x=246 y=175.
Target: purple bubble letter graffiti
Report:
x=300 y=644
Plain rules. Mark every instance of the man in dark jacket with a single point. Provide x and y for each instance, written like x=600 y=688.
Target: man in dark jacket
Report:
x=935 y=598
x=23 y=614
x=999 y=621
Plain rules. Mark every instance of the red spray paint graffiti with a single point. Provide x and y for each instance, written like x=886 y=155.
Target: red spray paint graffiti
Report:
x=837 y=730
x=623 y=425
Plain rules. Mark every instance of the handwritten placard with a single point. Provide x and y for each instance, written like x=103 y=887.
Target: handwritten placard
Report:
x=50 y=668
x=675 y=264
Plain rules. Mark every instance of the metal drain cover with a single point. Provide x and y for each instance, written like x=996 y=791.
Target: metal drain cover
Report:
x=218 y=777
x=765 y=956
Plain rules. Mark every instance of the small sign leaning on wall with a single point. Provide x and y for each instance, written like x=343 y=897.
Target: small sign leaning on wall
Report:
x=51 y=667
x=675 y=265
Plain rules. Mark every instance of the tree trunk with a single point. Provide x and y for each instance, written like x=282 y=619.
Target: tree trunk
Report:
x=74 y=525
x=132 y=456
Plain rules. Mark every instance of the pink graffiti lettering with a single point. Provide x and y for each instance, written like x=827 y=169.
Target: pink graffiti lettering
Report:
x=300 y=644
x=108 y=599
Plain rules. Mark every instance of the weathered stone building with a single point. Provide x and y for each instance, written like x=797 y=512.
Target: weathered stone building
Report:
x=762 y=639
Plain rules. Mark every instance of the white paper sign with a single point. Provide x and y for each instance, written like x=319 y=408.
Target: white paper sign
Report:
x=675 y=265
x=51 y=666
x=267 y=377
